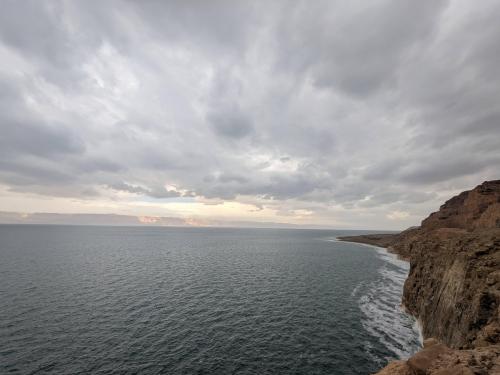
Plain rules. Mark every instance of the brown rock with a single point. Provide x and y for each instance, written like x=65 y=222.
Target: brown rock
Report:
x=454 y=281
x=436 y=360
x=474 y=209
x=382 y=240
x=424 y=359
x=453 y=286
x=455 y=370
x=430 y=342
x=396 y=368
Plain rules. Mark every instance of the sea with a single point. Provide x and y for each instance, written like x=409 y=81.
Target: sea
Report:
x=165 y=300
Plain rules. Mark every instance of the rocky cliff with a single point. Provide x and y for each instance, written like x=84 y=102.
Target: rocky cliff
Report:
x=454 y=282
x=453 y=286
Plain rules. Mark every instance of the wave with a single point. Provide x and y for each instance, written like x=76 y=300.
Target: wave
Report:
x=380 y=303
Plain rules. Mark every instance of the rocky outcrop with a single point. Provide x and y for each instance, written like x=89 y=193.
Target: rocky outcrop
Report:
x=438 y=359
x=454 y=282
x=453 y=286
x=475 y=209
x=382 y=240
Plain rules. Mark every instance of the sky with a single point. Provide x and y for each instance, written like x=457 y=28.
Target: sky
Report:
x=342 y=114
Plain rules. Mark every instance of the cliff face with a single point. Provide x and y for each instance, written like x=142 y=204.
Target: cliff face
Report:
x=476 y=209
x=454 y=282
x=453 y=286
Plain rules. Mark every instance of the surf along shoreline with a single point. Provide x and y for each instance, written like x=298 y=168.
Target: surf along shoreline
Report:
x=453 y=287
x=375 y=242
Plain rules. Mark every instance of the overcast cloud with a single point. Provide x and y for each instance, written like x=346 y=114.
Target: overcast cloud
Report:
x=337 y=113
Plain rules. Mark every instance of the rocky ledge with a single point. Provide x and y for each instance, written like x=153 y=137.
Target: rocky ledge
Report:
x=453 y=287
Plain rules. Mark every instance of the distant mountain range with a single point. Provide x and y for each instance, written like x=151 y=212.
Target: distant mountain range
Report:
x=131 y=220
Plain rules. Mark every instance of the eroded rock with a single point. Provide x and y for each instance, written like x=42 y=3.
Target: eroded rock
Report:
x=453 y=287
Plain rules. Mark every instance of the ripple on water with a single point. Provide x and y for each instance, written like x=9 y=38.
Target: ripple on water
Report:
x=185 y=301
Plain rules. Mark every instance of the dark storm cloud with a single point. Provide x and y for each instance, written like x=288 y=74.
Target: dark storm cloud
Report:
x=38 y=138
x=215 y=25
x=290 y=104
x=35 y=30
x=32 y=172
x=355 y=47
x=231 y=122
x=443 y=170
x=30 y=145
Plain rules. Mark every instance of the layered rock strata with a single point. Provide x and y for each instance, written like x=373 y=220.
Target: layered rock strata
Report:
x=453 y=286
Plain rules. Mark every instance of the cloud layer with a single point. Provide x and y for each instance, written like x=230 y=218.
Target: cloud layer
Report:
x=342 y=113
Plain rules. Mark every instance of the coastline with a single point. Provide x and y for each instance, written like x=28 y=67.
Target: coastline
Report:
x=383 y=241
x=453 y=287
x=426 y=361
x=416 y=327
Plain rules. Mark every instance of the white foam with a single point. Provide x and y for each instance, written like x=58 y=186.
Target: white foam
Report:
x=356 y=289
x=381 y=305
x=417 y=328
x=329 y=239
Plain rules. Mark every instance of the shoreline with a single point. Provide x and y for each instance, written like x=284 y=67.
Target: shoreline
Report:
x=453 y=285
x=417 y=324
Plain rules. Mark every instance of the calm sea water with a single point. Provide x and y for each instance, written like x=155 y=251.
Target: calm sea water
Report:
x=116 y=300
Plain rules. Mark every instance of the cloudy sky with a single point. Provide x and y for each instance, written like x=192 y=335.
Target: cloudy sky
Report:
x=348 y=114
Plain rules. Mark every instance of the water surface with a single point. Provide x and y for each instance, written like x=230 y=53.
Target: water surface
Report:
x=124 y=300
